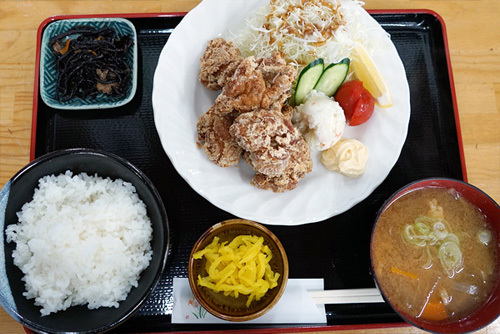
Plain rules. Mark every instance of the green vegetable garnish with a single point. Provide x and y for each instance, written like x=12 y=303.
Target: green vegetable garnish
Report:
x=432 y=233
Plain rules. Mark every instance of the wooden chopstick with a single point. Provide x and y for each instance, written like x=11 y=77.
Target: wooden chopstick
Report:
x=346 y=296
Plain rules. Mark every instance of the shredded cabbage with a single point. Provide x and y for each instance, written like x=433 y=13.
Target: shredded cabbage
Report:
x=303 y=31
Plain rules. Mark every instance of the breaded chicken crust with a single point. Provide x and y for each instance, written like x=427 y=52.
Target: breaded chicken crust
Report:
x=244 y=91
x=278 y=77
x=299 y=165
x=219 y=145
x=262 y=83
x=267 y=137
x=251 y=118
x=218 y=63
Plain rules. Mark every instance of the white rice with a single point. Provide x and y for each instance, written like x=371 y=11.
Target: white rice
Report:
x=81 y=240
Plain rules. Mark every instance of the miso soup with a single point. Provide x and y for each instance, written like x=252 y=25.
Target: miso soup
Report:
x=434 y=255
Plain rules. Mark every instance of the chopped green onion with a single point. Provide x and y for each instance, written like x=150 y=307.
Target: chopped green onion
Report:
x=428 y=264
x=412 y=238
x=421 y=226
x=447 y=244
x=453 y=238
x=484 y=237
x=432 y=239
x=440 y=230
x=451 y=257
x=424 y=220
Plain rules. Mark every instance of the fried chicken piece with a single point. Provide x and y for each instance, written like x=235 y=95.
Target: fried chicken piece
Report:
x=250 y=117
x=218 y=63
x=262 y=83
x=278 y=77
x=287 y=111
x=243 y=92
x=219 y=145
x=267 y=138
x=299 y=165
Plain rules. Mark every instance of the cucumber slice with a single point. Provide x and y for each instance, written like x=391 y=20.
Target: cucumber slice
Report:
x=333 y=77
x=308 y=78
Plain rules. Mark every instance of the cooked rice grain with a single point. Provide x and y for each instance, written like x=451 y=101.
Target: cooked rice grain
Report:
x=81 y=240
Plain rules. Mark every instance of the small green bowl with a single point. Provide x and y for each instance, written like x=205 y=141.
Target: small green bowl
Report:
x=48 y=71
x=228 y=307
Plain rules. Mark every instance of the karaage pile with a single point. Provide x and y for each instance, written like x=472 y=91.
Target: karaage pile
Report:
x=251 y=117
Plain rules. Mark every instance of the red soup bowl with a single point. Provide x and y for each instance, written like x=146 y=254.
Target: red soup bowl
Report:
x=475 y=319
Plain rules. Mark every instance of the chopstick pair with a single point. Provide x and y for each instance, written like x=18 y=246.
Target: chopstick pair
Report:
x=346 y=296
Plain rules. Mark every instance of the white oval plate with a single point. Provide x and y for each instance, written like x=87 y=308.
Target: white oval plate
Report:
x=179 y=99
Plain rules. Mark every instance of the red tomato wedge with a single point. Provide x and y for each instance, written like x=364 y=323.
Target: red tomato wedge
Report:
x=357 y=102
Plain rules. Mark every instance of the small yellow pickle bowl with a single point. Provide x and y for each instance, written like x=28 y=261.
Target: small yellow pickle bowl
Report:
x=238 y=270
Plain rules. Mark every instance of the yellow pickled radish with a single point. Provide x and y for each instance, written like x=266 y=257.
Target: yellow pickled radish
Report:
x=367 y=72
x=238 y=267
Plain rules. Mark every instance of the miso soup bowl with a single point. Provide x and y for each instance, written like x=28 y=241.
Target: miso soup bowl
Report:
x=490 y=309
x=227 y=307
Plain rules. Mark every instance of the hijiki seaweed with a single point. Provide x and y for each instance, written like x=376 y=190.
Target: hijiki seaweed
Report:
x=90 y=61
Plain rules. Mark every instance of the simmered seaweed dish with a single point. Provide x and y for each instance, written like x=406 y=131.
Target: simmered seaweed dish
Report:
x=90 y=61
x=434 y=255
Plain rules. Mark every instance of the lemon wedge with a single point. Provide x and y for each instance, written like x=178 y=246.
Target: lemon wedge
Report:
x=366 y=71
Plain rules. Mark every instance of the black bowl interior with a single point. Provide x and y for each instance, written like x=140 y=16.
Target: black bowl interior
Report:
x=80 y=318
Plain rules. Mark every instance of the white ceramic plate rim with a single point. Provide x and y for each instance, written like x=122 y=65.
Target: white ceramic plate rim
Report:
x=179 y=99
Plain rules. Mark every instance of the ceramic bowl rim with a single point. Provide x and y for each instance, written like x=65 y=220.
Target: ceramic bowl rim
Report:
x=17 y=177
x=98 y=104
x=212 y=231
x=415 y=185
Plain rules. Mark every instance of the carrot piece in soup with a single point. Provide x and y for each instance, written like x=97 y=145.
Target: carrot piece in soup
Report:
x=403 y=273
x=434 y=311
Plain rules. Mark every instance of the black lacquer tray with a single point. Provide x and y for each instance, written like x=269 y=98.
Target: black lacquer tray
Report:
x=336 y=249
